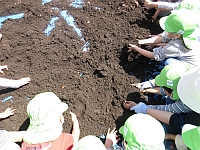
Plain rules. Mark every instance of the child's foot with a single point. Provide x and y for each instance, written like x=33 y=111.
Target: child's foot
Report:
x=23 y=81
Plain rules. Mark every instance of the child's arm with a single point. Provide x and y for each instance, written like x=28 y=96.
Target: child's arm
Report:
x=141 y=51
x=149 y=3
x=170 y=136
x=76 y=129
x=165 y=6
x=154 y=17
x=176 y=107
x=9 y=83
x=163 y=116
x=158 y=44
x=155 y=90
x=152 y=40
x=168 y=6
x=8 y=112
x=178 y=141
x=16 y=136
x=150 y=87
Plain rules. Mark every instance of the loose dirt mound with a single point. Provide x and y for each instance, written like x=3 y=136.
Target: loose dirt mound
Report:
x=93 y=83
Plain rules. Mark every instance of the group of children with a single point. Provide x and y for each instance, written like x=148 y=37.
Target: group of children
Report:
x=178 y=81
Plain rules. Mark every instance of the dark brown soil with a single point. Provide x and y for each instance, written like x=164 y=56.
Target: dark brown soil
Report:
x=93 y=83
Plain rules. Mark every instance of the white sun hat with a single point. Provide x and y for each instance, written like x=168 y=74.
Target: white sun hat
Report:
x=188 y=89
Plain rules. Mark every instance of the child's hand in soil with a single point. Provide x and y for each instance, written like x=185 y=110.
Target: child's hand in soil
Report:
x=8 y=112
x=129 y=104
x=2 y=68
x=150 y=47
x=132 y=47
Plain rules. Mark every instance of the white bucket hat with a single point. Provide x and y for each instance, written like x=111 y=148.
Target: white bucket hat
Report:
x=188 y=89
x=89 y=142
x=44 y=111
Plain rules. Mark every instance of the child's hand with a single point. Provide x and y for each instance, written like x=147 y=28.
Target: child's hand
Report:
x=132 y=47
x=129 y=104
x=139 y=86
x=140 y=108
x=150 y=47
x=136 y=3
x=147 y=3
x=74 y=118
x=111 y=138
x=8 y=112
x=2 y=68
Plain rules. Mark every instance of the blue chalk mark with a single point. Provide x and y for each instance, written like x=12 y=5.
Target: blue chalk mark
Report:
x=55 y=8
x=81 y=74
x=85 y=47
x=70 y=21
x=7 y=98
x=45 y=1
x=77 y=4
x=16 y=16
x=51 y=26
